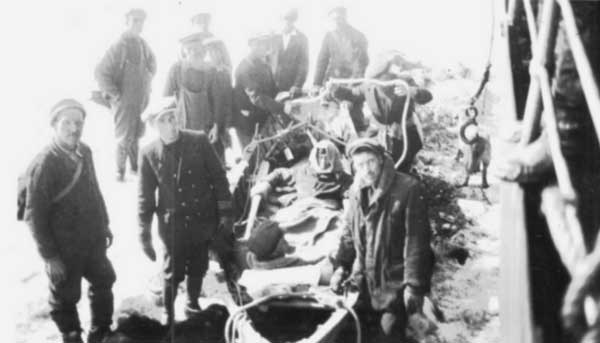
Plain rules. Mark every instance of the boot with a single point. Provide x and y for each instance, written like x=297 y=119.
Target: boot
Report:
x=169 y=295
x=72 y=337
x=98 y=334
x=194 y=286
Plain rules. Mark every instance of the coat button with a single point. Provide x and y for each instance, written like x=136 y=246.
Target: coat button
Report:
x=179 y=190
x=189 y=171
x=183 y=204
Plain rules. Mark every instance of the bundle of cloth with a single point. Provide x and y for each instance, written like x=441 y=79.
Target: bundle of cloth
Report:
x=299 y=232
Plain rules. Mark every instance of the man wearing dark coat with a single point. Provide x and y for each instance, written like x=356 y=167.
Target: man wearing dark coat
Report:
x=217 y=52
x=291 y=56
x=255 y=90
x=193 y=202
x=203 y=94
x=124 y=76
x=343 y=53
x=384 y=249
x=67 y=216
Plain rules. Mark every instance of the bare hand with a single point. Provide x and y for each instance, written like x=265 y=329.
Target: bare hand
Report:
x=413 y=301
x=336 y=281
x=213 y=134
x=315 y=91
x=56 y=270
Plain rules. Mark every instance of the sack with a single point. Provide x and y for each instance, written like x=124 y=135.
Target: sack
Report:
x=23 y=180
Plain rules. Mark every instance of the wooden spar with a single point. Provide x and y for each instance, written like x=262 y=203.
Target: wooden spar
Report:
x=263 y=170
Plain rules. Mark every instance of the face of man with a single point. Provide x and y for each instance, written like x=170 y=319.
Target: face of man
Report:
x=167 y=127
x=260 y=48
x=367 y=166
x=68 y=127
x=135 y=24
x=195 y=55
x=338 y=19
x=287 y=25
x=202 y=23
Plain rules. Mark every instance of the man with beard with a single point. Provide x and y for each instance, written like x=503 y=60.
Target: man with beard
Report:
x=124 y=76
x=384 y=250
x=67 y=216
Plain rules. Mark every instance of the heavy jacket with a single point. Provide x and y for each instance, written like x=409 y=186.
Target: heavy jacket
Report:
x=78 y=221
x=291 y=67
x=390 y=233
x=193 y=191
x=124 y=76
x=203 y=96
x=254 y=94
x=343 y=54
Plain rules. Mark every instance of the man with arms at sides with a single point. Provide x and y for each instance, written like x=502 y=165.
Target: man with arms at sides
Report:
x=193 y=202
x=67 y=216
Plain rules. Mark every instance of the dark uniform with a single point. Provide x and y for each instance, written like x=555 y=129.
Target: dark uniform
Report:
x=193 y=193
x=291 y=67
x=73 y=229
x=254 y=94
x=203 y=98
x=124 y=75
x=386 y=245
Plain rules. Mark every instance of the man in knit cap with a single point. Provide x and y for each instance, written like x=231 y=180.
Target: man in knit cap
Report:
x=124 y=76
x=66 y=213
x=384 y=250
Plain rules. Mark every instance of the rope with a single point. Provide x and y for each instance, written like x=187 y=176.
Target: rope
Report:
x=233 y=324
x=488 y=66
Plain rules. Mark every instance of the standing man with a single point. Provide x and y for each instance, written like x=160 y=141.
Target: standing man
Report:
x=384 y=250
x=124 y=75
x=255 y=90
x=203 y=96
x=343 y=52
x=67 y=216
x=193 y=202
x=217 y=51
x=291 y=58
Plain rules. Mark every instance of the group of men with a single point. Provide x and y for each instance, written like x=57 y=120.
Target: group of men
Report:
x=182 y=181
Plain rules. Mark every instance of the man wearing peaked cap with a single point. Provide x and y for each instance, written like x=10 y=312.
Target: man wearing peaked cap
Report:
x=217 y=52
x=203 y=94
x=124 y=76
x=65 y=210
x=386 y=210
x=184 y=184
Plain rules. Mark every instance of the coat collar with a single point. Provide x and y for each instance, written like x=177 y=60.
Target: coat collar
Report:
x=388 y=175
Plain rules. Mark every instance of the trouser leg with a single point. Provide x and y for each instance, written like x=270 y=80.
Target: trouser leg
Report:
x=174 y=273
x=197 y=265
x=132 y=153
x=101 y=276
x=121 y=157
x=63 y=300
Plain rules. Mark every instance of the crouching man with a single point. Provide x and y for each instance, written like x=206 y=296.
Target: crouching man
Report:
x=193 y=203
x=384 y=250
x=67 y=216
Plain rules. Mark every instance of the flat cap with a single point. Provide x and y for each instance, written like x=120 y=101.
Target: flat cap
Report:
x=365 y=144
x=136 y=12
x=257 y=36
x=159 y=108
x=63 y=105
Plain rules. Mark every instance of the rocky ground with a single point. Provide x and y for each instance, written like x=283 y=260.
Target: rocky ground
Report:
x=464 y=222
